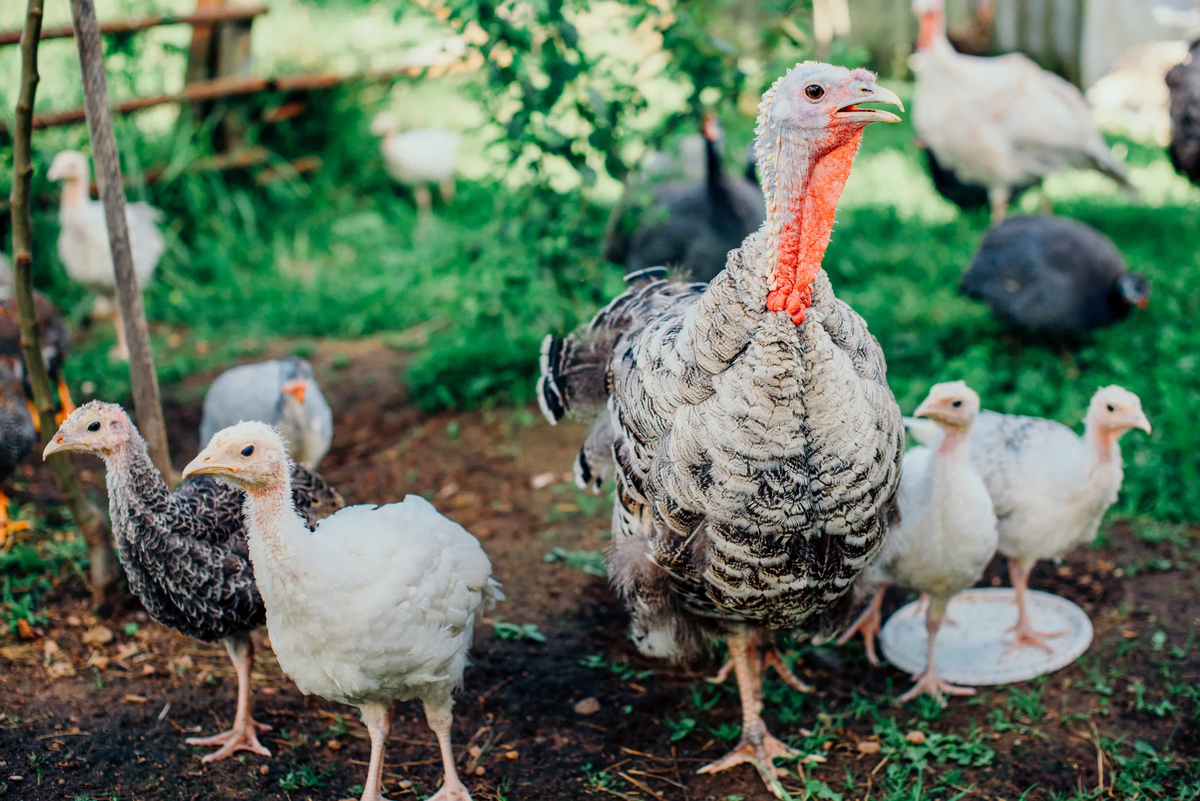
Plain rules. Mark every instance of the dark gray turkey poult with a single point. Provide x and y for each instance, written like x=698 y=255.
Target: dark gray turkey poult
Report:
x=1053 y=277
x=1183 y=81
x=185 y=550
x=56 y=340
x=692 y=227
x=17 y=436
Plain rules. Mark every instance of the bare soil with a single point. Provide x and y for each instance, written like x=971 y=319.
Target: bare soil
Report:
x=82 y=719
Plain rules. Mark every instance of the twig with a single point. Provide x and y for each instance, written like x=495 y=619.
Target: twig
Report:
x=142 y=375
x=640 y=785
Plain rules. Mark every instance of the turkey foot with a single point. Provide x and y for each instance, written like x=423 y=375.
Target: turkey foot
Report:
x=868 y=624
x=929 y=682
x=773 y=659
x=761 y=754
x=722 y=674
x=243 y=738
x=1026 y=635
x=1018 y=571
x=8 y=528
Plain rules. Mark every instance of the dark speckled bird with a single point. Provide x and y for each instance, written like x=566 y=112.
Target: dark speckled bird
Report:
x=1053 y=278
x=17 y=436
x=1183 y=81
x=56 y=340
x=185 y=551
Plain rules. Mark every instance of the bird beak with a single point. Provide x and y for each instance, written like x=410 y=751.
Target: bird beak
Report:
x=1142 y=302
x=876 y=94
x=1140 y=421
x=208 y=464
x=928 y=408
x=57 y=445
x=55 y=173
x=296 y=389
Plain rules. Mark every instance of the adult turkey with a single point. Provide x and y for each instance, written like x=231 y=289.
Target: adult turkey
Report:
x=1183 y=82
x=756 y=443
x=692 y=227
x=1053 y=278
x=56 y=342
x=185 y=550
x=83 y=245
x=999 y=122
x=418 y=158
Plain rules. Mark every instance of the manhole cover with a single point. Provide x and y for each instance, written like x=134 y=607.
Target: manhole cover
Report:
x=972 y=652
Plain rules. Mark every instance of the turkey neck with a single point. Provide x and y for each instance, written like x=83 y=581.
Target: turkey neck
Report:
x=802 y=185
x=1104 y=443
x=136 y=494
x=74 y=193
x=272 y=523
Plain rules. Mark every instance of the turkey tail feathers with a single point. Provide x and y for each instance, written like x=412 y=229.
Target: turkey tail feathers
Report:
x=550 y=394
x=574 y=375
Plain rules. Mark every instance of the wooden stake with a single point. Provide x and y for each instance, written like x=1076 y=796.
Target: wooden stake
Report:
x=112 y=191
x=91 y=523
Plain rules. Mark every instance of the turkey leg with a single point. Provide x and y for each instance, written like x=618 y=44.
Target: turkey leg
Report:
x=121 y=351
x=1018 y=573
x=244 y=734
x=378 y=720
x=868 y=624
x=8 y=527
x=439 y=718
x=757 y=746
x=927 y=681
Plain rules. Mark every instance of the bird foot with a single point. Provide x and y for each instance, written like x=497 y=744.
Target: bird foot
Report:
x=455 y=792
x=928 y=682
x=1026 y=635
x=722 y=674
x=761 y=755
x=8 y=530
x=232 y=741
x=868 y=624
x=773 y=659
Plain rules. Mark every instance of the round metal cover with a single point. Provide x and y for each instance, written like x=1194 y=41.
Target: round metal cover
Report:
x=972 y=652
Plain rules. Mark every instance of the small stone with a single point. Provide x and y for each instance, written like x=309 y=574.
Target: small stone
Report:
x=479 y=771
x=147 y=670
x=588 y=706
x=511 y=755
x=915 y=737
x=868 y=747
x=405 y=784
x=97 y=635
x=543 y=480
x=474 y=751
x=50 y=648
x=74 y=621
x=333 y=745
x=263 y=770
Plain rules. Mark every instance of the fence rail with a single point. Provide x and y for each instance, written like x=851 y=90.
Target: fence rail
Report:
x=207 y=16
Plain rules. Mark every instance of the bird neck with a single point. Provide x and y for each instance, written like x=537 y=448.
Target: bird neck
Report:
x=801 y=184
x=135 y=487
x=933 y=30
x=1104 y=442
x=271 y=522
x=74 y=193
x=953 y=447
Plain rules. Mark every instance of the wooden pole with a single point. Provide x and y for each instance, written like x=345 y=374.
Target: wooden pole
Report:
x=91 y=523
x=112 y=191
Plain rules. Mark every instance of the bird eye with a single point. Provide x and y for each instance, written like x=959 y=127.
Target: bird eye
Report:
x=1110 y=408
x=94 y=425
x=956 y=404
x=248 y=450
x=814 y=91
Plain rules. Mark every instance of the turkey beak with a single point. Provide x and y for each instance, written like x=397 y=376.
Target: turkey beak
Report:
x=208 y=464
x=56 y=445
x=1140 y=421
x=296 y=389
x=867 y=92
x=928 y=408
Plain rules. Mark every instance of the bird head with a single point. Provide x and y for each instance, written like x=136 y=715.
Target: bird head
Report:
x=951 y=404
x=96 y=427
x=250 y=455
x=69 y=165
x=1134 y=289
x=297 y=375
x=814 y=101
x=931 y=14
x=1115 y=410
x=712 y=129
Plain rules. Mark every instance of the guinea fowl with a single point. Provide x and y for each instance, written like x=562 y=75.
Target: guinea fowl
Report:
x=83 y=245
x=947 y=531
x=757 y=445
x=692 y=227
x=999 y=122
x=56 y=341
x=1050 y=487
x=377 y=605
x=1183 y=81
x=17 y=436
x=185 y=551
x=1053 y=277
x=281 y=393
x=418 y=158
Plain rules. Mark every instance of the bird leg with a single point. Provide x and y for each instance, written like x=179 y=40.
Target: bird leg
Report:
x=757 y=745
x=424 y=199
x=923 y=600
x=447 y=189
x=64 y=401
x=773 y=659
x=1018 y=573
x=8 y=528
x=927 y=680
x=439 y=718
x=868 y=624
x=998 y=196
x=121 y=351
x=378 y=720
x=244 y=734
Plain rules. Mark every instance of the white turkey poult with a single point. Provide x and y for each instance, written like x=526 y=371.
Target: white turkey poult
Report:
x=947 y=531
x=83 y=245
x=279 y=392
x=376 y=605
x=418 y=158
x=1050 y=486
x=999 y=122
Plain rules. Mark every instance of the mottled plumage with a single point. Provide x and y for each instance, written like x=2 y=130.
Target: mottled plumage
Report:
x=17 y=434
x=56 y=339
x=1183 y=81
x=1052 y=277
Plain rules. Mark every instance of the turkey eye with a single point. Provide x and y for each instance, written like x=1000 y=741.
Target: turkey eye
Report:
x=1110 y=408
x=814 y=91
x=94 y=426
x=957 y=403
x=248 y=450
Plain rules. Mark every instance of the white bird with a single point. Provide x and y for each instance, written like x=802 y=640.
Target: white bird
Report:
x=418 y=157
x=377 y=605
x=83 y=245
x=947 y=531
x=281 y=393
x=999 y=122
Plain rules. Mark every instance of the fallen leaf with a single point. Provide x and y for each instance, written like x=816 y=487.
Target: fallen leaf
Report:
x=62 y=669
x=24 y=630
x=97 y=660
x=869 y=747
x=74 y=621
x=97 y=635
x=130 y=698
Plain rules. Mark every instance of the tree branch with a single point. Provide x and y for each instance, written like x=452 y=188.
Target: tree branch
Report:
x=92 y=525
x=112 y=191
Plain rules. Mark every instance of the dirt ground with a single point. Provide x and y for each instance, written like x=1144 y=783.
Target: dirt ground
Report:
x=81 y=718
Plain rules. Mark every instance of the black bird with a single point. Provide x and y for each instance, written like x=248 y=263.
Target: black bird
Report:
x=1052 y=277
x=1183 y=81
x=56 y=341
x=692 y=227
x=17 y=436
x=185 y=551
x=968 y=197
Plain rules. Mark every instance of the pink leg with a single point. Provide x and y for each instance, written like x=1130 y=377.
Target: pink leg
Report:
x=927 y=681
x=1018 y=571
x=244 y=734
x=121 y=351
x=439 y=718
x=378 y=720
x=868 y=623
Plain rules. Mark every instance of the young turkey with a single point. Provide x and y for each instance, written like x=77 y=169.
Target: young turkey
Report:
x=377 y=605
x=56 y=341
x=418 y=158
x=947 y=531
x=185 y=551
x=999 y=122
x=757 y=445
x=1051 y=487
x=1053 y=278
x=1183 y=81
x=17 y=437
x=692 y=227
x=282 y=393
x=83 y=245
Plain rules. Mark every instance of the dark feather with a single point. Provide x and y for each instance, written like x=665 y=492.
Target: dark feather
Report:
x=1183 y=81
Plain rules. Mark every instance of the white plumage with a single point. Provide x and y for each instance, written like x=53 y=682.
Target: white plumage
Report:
x=377 y=605
x=419 y=157
x=947 y=530
x=999 y=122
